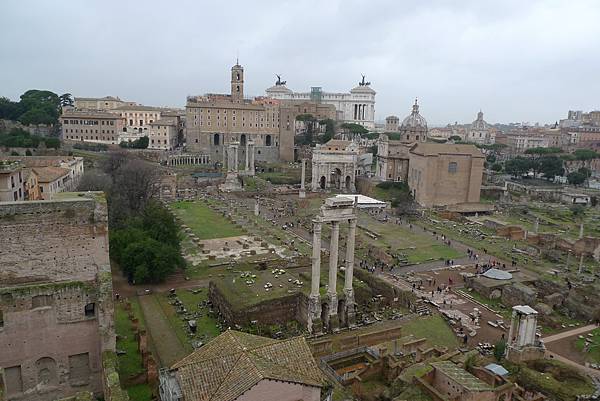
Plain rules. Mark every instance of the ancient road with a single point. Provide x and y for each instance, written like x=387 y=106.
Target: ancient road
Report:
x=164 y=339
x=570 y=333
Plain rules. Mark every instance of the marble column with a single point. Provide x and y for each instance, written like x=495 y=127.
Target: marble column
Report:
x=302 y=193
x=236 y=162
x=350 y=314
x=536 y=226
x=581 y=230
x=333 y=266
x=314 y=323
x=247 y=168
x=251 y=150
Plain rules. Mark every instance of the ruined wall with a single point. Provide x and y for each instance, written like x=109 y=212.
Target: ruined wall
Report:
x=55 y=297
x=274 y=311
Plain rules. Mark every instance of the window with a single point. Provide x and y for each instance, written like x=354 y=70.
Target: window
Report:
x=452 y=166
x=90 y=310
x=1 y=319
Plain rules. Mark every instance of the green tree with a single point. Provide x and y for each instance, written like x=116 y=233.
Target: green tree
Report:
x=497 y=167
x=576 y=178
x=551 y=166
x=543 y=151
x=518 y=166
x=66 y=100
x=354 y=128
x=499 y=350
x=455 y=138
x=28 y=153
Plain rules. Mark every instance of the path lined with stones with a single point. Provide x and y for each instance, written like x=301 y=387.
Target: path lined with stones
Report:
x=166 y=343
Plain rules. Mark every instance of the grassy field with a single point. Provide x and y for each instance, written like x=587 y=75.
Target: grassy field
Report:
x=205 y=222
x=434 y=328
x=593 y=353
x=418 y=248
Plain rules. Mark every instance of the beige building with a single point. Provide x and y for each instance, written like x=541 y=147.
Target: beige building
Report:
x=480 y=132
x=213 y=121
x=236 y=366
x=45 y=176
x=11 y=181
x=163 y=134
x=91 y=126
x=137 y=120
x=444 y=174
x=392 y=123
x=56 y=311
x=100 y=103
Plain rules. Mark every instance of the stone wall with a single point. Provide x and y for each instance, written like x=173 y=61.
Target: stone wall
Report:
x=274 y=311
x=55 y=297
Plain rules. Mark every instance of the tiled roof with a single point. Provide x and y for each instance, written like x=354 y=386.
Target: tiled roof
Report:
x=234 y=362
x=49 y=174
x=433 y=149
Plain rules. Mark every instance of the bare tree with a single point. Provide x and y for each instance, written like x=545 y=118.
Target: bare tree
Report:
x=114 y=162
x=94 y=180
x=134 y=184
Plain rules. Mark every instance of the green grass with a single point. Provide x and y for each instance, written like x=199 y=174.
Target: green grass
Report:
x=279 y=178
x=552 y=378
x=593 y=353
x=418 y=248
x=495 y=304
x=130 y=364
x=140 y=392
x=205 y=222
x=207 y=327
x=414 y=393
x=434 y=328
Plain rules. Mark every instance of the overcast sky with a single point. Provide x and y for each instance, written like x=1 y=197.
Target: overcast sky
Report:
x=519 y=60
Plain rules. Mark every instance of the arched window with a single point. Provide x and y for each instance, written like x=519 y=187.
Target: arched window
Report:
x=216 y=139
x=237 y=88
x=237 y=76
x=268 y=140
x=90 y=310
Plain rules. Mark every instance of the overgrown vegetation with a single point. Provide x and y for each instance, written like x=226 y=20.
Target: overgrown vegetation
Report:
x=140 y=143
x=19 y=138
x=35 y=107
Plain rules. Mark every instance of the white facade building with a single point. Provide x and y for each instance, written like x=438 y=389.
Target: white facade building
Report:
x=480 y=132
x=356 y=106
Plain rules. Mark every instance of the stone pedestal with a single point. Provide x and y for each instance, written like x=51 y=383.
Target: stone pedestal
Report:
x=314 y=323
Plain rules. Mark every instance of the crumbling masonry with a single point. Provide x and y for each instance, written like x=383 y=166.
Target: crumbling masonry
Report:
x=56 y=310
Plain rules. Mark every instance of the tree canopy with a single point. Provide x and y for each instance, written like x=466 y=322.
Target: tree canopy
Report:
x=543 y=151
x=35 y=107
x=141 y=143
x=19 y=138
x=355 y=128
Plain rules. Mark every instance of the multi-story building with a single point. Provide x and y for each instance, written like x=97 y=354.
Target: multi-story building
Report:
x=163 y=134
x=56 y=311
x=445 y=174
x=356 y=106
x=91 y=126
x=392 y=123
x=137 y=120
x=11 y=181
x=480 y=132
x=213 y=121
x=45 y=176
x=100 y=103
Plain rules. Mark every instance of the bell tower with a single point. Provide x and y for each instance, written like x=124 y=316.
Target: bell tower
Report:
x=237 y=82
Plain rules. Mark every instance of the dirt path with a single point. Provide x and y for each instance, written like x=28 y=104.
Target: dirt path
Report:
x=581 y=368
x=166 y=343
x=570 y=333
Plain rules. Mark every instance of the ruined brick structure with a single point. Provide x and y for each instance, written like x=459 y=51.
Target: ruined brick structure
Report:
x=56 y=311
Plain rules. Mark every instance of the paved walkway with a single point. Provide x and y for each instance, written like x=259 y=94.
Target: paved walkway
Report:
x=570 y=333
x=166 y=343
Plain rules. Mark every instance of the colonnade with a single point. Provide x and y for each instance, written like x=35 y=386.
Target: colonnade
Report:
x=325 y=316
x=183 y=160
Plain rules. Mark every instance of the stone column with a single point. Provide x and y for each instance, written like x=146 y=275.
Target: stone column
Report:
x=236 y=158
x=314 y=323
x=348 y=288
x=252 y=166
x=256 y=209
x=581 y=230
x=512 y=328
x=536 y=226
x=302 y=193
x=247 y=156
x=581 y=263
x=333 y=266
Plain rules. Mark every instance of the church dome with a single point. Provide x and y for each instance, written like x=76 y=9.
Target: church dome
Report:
x=414 y=120
x=480 y=124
